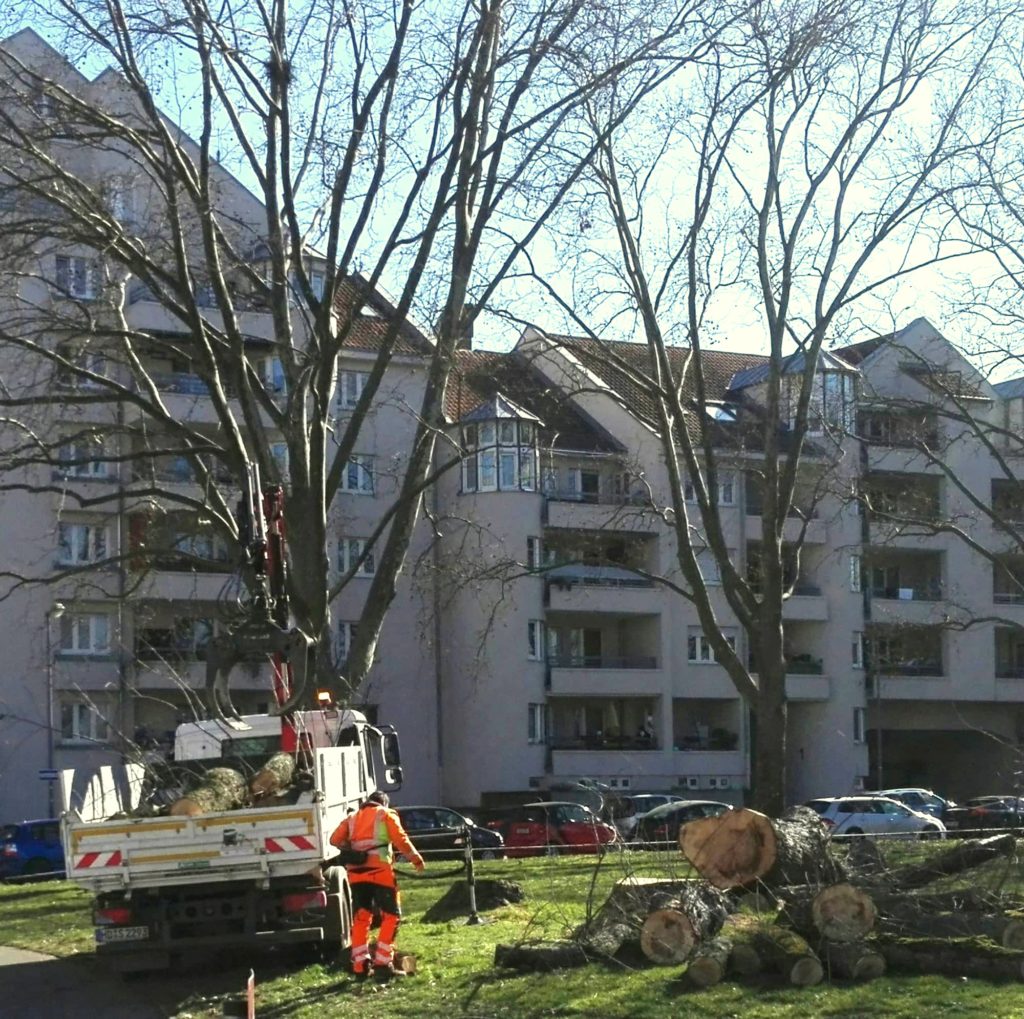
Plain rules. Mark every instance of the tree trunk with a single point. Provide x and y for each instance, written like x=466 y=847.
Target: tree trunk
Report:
x=633 y=899
x=913 y=922
x=221 y=789
x=788 y=953
x=745 y=959
x=540 y=958
x=742 y=846
x=837 y=913
x=854 y=961
x=961 y=857
x=965 y=958
x=273 y=777
x=709 y=962
x=669 y=934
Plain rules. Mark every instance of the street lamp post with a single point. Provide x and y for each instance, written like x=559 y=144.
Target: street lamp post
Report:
x=54 y=612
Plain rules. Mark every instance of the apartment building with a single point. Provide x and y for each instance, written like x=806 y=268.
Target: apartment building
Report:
x=533 y=640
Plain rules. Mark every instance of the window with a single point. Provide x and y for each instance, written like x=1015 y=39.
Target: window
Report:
x=550 y=481
x=584 y=485
x=535 y=640
x=507 y=433
x=858 y=725
x=349 y=551
x=855 y=573
x=78 y=459
x=699 y=647
x=78 y=276
x=533 y=553
x=857 y=650
x=350 y=388
x=499 y=457
x=507 y=470
x=470 y=480
x=346 y=634
x=82 y=722
x=316 y=284
x=79 y=360
x=279 y=454
x=271 y=373
x=839 y=400
x=357 y=476
x=709 y=567
x=487 y=478
x=79 y=544
x=537 y=723
x=45 y=106
x=120 y=199
x=86 y=633
x=726 y=489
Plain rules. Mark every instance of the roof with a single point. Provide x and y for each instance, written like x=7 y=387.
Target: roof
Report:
x=855 y=353
x=369 y=329
x=794 y=364
x=1010 y=389
x=489 y=383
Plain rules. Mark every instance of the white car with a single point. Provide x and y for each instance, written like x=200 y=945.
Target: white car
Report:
x=874 y=815
x=627 y=810
x=924 y=801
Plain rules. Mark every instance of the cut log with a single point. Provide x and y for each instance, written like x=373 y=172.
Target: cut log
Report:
x=273 y=777
x=709 y=962
x=745 y=960
x=906 y=920
x=742 y=846
x=220 y=789
x=673 y=929
x=629 y=902
x=788 y=953
x=540 y=957
x=405 y=962
x=854 y=961
x=968 y=854
x=836 y=913
x=965 y=958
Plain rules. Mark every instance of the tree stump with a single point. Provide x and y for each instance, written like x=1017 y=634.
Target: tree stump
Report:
x=742 y=846
x=837 y=913
x=273 y=777
x=709 y=962
x=788 y=953
x=854 y=960
x=220 y=789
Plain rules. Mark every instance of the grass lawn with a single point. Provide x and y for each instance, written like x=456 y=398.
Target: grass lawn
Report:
x=456 y=976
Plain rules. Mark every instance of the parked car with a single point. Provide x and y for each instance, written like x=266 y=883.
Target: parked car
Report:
x=986 y=812
x=924 y=801
x=551 y=828
x=438 y=833
x=625 y=811
x=32 y=848
x=662 y=824
x=874 y=815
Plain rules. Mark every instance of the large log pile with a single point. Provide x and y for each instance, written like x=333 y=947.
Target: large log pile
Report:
x=800 y=909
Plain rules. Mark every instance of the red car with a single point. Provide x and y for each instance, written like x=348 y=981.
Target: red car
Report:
x=551 y=828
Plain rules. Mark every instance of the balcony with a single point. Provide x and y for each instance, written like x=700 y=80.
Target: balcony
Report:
x=604 y=676
x=581 y=588
x=595 y=509
x=146 y=313
x=806 y=604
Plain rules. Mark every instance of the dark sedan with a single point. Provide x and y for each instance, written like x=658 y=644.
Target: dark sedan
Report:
x=661 y=825
x=440 y=833
x=985 y=812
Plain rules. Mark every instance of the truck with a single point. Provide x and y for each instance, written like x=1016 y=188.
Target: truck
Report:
x=167 y=885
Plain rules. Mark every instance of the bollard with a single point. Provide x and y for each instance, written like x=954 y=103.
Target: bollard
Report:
x=467 y=849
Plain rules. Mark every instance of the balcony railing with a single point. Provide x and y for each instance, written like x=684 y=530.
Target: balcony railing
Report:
x=602 y=742
x=796 y=665
x=1010 y=672
x=1008 y=597
x=911 y=668
x=929 y=591
x=595 y=498
x=755 y=508
x=602 y=661
x=596 y=576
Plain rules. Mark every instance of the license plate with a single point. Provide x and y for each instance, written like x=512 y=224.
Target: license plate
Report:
x=105 y=935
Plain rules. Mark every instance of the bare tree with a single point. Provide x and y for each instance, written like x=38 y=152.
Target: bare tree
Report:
x=399 y=144
x=796 y=171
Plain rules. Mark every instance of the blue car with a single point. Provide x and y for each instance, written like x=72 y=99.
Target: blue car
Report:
x=31 y=849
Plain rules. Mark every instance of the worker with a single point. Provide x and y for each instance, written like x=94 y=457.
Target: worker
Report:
x=373 y=829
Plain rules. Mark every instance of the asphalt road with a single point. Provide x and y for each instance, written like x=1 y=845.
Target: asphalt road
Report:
x=42 y=987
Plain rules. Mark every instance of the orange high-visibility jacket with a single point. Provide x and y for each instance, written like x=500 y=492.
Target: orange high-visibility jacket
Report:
x=375 y=829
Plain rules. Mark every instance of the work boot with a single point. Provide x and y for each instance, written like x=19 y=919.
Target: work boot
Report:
x=361 y=974
x=383 y=974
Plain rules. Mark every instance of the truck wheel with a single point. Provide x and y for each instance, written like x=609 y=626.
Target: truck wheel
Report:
x=337 y=916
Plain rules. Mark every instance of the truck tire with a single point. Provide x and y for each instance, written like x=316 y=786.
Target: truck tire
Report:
x=337 y=916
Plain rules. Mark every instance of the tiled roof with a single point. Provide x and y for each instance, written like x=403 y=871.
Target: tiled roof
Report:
x=368 y=331
x=481 y=376
x=612 y=363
